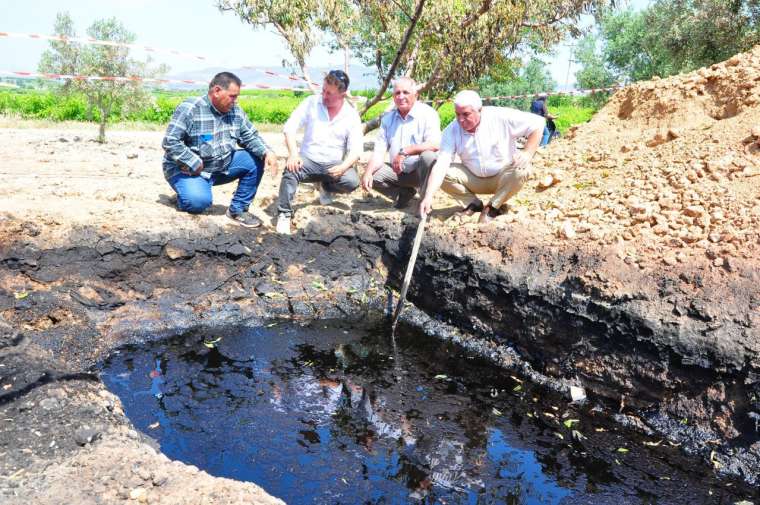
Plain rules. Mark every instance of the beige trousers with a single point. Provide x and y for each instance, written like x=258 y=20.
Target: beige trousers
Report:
x=464 y=186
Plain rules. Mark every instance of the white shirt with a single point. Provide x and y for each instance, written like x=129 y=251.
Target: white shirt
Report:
x=421 y=125
x=325 y=140
x=491 y=147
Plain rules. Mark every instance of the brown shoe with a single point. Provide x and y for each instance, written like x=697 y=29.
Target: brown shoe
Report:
x=472 y=208
x=488 y=214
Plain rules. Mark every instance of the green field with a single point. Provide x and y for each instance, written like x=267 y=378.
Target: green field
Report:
x=262 y=106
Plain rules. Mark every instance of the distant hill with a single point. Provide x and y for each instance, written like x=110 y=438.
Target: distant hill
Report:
x=361 y=77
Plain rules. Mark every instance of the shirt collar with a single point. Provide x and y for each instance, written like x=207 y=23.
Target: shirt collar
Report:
x=412 y=112
x=211 y=106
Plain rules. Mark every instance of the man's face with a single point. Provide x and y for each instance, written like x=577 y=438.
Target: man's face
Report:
x=224 y=99
x=331 y=95
x=468 y=117
x=404 y=96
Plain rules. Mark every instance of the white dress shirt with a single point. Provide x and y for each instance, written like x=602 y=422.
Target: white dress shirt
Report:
x=325 y=140
x=491 y=147
x=421 y=125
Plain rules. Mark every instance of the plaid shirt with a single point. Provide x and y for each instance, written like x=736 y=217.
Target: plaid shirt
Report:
x=198 y=132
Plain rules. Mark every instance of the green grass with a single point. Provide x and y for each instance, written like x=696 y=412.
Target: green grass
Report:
x=271 y=107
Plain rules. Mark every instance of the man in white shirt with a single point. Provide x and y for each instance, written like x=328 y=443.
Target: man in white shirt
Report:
x=484 y=139
x=411 y=134
x=331 y=145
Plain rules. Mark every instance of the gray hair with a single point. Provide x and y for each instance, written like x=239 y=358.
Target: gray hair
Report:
x=407 y=80
x=468 y=98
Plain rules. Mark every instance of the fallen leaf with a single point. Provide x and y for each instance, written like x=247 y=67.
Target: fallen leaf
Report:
x=578 y=435
x=20 y=295
x=559 y=435
x=441 y=376
x=212 y=343
x=569 y=422
x=653 y=444
x=496 y=411
x=622 y=450
x=517 y=388
x=154 y=425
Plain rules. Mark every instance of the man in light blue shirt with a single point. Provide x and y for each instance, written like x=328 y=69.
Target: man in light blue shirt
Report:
x=411 y=134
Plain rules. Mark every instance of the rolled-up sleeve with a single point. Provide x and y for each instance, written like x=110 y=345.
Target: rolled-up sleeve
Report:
x=381 y=143
x=174 y=140
x=356 y=136
x=432 y=132
x=522 y=123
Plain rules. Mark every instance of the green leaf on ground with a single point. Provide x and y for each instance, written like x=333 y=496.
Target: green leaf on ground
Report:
x=569 y=422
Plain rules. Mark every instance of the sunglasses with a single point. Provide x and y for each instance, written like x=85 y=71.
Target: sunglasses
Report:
x=339 y=75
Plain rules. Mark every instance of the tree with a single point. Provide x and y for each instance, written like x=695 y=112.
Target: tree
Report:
x=593 y=72
x=532 y=78
x=67 y=57
x=443 y=44
x=674 y=36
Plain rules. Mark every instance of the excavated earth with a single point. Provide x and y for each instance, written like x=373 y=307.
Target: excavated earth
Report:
x=628 y=266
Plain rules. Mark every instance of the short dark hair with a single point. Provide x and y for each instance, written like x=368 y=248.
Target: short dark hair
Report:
x=337 y=78
x=224 y=79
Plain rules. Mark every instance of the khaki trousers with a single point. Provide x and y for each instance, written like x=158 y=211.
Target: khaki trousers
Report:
x=464 y=186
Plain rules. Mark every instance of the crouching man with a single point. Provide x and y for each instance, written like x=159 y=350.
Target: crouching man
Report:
x=202 y=149
x=484 y=138
x=331 y=145
x=411 y=134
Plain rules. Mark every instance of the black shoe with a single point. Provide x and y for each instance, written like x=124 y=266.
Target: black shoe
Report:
x=404 y=197
x=244 y=219
x=488 y=214
x=473 y=207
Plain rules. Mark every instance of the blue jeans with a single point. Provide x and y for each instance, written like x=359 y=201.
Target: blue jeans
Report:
x=547 y=136
x=194 y=191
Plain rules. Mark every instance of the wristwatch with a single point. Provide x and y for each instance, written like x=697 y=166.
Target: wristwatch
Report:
x=403 y=153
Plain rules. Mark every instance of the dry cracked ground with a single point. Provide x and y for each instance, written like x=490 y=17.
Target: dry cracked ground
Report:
x=651 y=209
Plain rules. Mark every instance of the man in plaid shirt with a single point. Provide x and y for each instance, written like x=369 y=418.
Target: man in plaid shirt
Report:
x=203 y=148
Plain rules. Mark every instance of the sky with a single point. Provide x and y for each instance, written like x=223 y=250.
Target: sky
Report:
x=189 y=26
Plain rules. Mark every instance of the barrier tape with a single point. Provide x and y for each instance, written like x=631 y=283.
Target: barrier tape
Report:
x=150 y=49
x=41 y=75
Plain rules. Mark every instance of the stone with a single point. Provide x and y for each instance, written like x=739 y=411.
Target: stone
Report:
x=566 y=231
x=138 y=493
x=175 y=250
x=85 y=435
x=50 y=404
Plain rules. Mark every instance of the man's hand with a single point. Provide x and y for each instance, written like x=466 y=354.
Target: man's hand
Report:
x=426 y=205
x=294 y=163
x=367 y=179
x=398 y=163
x=521 y=159
x=271 y=162
x=336 y=171
x=189 y=171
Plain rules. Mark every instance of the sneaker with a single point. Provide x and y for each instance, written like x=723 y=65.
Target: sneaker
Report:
x=472 y=208
x=244 y=219
x=325 y=197
x=283 y=224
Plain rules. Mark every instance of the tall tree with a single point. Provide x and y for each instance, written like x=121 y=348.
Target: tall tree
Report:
x=444 y=44
x=593 y=72
x=103 y=61
x=673 y=36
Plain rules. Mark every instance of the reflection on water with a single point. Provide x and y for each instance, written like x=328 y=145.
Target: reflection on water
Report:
x=331 y=414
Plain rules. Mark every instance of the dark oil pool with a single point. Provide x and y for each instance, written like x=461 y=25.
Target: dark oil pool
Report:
x=332 y=413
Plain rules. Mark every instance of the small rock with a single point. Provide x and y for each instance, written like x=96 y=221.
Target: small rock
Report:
x=756 y=132
x=669 y=259
x=77 y=138
x=577 y=394
x=131 y=156
x=85 y=435
x=546 y=182
x=63 y=139
x=718 y=262
x=138 y=493
x=50 y=404
x=567 y=231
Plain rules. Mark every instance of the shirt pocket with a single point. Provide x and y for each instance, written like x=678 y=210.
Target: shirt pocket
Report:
x=206 y=145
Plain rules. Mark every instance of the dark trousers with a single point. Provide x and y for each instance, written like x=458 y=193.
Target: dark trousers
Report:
x=312 y=171
x=414 y=177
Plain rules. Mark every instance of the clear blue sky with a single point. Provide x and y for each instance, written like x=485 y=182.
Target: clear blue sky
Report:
x=193 y=26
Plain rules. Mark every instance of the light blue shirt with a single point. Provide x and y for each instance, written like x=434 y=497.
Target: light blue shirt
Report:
x=420 y=126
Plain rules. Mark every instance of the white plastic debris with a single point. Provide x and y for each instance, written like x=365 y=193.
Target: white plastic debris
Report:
x=577 y=394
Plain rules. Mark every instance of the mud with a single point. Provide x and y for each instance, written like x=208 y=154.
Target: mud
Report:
x=527 y=310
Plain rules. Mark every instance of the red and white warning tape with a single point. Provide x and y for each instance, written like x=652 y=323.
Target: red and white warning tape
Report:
x=173 y=52
x=39 y=75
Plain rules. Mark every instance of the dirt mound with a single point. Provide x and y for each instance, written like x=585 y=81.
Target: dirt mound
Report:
x=668 y=170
